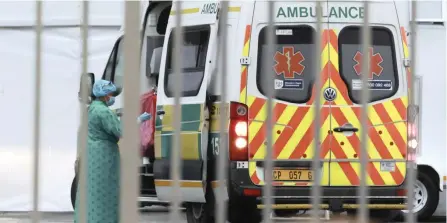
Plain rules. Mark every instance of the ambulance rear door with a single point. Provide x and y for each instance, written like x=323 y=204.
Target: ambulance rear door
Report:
x=293 y=73
x=387 y=132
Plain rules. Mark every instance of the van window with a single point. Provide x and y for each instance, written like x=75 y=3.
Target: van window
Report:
x=291 y=69
x=118 y=76
x=154 y=46
x=383 y=77
x=110 y=67
x=194 y=51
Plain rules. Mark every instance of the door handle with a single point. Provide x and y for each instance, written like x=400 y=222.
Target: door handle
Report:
x=160 y=112
x=346 y=129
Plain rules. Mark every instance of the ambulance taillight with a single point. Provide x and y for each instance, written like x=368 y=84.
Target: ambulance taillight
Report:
x=238 y=132
x=412 y=132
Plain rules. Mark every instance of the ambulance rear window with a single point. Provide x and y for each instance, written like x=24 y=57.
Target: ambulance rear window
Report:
x=383 y=78
x=194 y=51
x=291 y=65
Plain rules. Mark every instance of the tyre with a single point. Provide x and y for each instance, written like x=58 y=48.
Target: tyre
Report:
x=199 y=213
x=426 y=196
x=74 y=187
x=243 y=210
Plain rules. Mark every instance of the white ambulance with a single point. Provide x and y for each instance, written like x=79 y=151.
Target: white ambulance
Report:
x=392 y=141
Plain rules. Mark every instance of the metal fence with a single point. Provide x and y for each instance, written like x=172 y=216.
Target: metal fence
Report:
x=130 y=157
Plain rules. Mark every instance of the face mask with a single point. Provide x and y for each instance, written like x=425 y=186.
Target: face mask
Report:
x=111 y=101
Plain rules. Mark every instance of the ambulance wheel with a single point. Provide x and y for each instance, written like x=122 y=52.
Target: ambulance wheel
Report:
x=426 y=197
x=199 y=213
x=73 y=190
x=243 y=210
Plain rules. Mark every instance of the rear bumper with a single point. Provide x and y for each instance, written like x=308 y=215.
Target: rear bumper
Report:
x=333 y=198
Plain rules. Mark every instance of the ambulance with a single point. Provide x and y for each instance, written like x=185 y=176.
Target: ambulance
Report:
x=392 y=120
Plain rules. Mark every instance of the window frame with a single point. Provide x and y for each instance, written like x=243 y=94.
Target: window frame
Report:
x=168 y=71
x=147 y=56
x=112 y=60
x=397 y=75
x=260 y=64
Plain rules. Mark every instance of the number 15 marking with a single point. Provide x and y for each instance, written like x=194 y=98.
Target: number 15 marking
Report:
x=215 y=145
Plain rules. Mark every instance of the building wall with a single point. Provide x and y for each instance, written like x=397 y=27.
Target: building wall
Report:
x=431 y=66
x=61 y=68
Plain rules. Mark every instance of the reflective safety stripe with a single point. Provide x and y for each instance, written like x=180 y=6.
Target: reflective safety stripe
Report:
x=244 y=69
x=183 y=183
x=406 y=52
x=292 y=122
x=387 y=136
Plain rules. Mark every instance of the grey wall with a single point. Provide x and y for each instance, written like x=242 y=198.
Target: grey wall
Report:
x=430 y=62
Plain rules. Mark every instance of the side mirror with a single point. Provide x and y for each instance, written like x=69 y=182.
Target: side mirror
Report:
x=86 y=83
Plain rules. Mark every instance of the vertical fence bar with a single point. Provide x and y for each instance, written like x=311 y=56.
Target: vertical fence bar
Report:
x=316 y=187
x=411 y=176
x=363 y=189
x=222 y=72
x=178 y=89
x=35 y=214
x=130 y=157
x=268 y=64
x=82 y=134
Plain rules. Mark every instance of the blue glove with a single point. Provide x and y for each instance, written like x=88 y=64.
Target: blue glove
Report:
x=144 y=117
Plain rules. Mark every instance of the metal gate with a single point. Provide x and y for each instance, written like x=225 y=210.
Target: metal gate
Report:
x=130 y=157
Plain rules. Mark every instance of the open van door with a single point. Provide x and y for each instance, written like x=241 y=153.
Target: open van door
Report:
x=199 y=43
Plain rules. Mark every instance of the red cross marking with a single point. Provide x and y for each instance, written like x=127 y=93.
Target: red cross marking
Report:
x=375 y=61
x=288 y=63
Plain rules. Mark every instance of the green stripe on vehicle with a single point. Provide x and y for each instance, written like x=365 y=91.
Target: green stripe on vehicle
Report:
x=191 y=117
x=191 y=123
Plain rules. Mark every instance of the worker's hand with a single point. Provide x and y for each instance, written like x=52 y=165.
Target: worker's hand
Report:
x=144 y=117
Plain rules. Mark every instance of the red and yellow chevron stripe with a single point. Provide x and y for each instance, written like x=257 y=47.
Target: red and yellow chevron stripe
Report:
x=291 y=122
x=403 y=33
x=387 y=134
x=244 y=69
x=293 y=129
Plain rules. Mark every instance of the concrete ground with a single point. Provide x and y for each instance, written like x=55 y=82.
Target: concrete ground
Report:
x=148 y=215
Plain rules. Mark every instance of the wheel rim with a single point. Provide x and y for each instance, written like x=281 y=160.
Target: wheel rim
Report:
x=197 y=210
x=420 y=197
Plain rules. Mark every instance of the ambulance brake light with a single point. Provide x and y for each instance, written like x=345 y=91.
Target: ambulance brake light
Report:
x=241 y=128
x=238 y=132
x=412 y=130
x=413 y=144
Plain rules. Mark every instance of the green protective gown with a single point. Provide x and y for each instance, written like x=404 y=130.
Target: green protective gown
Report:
x=103 y=161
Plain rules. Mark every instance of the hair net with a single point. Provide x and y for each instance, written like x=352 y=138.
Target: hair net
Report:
x=103 y=88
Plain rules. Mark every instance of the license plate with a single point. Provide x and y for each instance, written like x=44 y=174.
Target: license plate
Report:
x=292 y=175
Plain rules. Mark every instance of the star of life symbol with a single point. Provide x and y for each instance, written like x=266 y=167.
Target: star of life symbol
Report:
x=374 y=59
x=288 y=63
